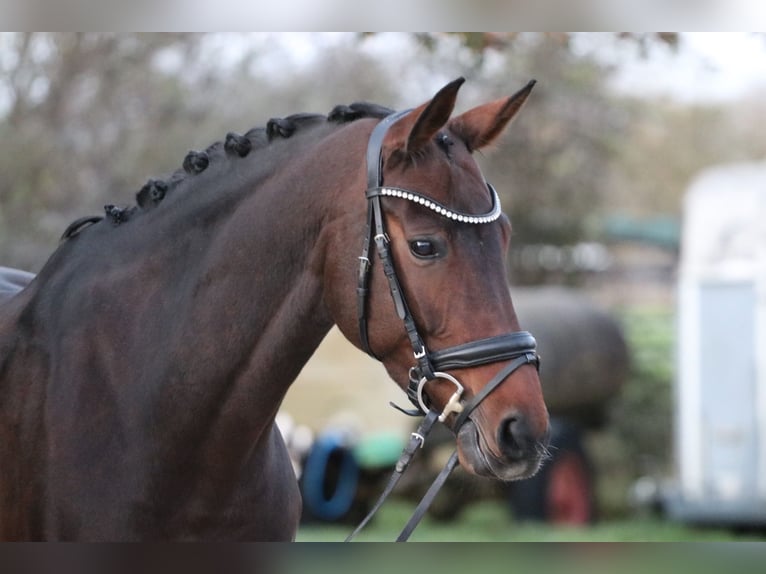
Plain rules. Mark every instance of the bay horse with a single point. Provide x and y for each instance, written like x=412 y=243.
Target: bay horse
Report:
x=141 y=370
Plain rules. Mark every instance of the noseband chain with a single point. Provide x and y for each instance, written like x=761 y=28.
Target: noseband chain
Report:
x=519 y=348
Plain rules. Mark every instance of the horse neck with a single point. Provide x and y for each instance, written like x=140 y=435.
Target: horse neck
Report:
x=250 y=311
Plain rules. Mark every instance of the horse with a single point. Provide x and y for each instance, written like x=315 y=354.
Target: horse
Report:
x=142 y=368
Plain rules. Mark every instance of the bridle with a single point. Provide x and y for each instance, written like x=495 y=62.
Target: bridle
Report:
x=519 y=348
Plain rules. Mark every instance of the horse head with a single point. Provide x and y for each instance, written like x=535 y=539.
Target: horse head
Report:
x=442 y=242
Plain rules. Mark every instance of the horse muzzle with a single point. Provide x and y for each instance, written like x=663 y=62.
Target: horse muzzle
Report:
x=516 y=448
x=521 y=454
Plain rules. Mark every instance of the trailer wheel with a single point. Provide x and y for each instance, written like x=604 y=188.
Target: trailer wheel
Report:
x=563 y=491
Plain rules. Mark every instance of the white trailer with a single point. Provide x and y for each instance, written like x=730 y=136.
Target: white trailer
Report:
x=721 y=381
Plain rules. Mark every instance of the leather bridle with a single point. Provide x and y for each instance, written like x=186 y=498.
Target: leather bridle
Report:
x=519 y=348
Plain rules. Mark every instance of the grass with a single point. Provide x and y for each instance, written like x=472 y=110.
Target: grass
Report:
x=490 y=522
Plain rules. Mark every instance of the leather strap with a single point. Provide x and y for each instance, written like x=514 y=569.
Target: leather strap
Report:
x=484 y=351
x=417 y=439
x=363 y=283
x=416 y=442
x=376 y=233
x=428 y=498
x=375 y=145
x=504 y=373
x=374 y=221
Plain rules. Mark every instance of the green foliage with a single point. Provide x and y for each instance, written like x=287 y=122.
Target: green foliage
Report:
x=643 y=415
x=638 y=437
x=669 y=145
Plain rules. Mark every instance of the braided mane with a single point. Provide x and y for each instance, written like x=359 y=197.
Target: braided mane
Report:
x=234 y=145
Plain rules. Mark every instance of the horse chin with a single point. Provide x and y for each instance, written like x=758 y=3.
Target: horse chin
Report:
x=477 y=458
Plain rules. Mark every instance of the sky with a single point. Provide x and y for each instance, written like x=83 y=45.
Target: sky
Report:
x=707 y=67
x=408 y=15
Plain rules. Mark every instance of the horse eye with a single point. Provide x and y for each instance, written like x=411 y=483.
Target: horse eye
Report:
x=423 y=248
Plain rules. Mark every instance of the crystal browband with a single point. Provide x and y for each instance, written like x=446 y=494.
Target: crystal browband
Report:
x=437 y=207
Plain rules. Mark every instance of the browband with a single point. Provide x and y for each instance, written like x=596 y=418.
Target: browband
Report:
x=459 y=216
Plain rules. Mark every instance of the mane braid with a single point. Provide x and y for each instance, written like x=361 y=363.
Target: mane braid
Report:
x=78 y=225
x=237 y=144
x=234 y=146
x=357 y=110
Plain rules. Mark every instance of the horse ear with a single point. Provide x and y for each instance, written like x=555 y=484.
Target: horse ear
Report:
x=482 y=125
x=417 y=129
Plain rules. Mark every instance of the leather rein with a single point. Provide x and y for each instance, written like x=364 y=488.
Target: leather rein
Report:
x=520 y=348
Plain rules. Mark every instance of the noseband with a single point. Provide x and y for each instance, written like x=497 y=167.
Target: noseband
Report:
x=519 y=348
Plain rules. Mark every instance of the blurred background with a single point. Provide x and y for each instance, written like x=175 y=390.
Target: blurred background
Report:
x=629 y=149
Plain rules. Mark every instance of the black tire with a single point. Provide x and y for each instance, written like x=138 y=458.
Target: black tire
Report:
x=330 y=480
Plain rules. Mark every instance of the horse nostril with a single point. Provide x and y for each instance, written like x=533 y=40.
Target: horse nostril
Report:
x=515 y=437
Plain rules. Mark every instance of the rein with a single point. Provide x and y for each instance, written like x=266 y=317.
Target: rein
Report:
x=520 y=347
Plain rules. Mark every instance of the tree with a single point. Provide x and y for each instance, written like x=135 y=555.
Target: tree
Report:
x=88 y=118
x=76 y=103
